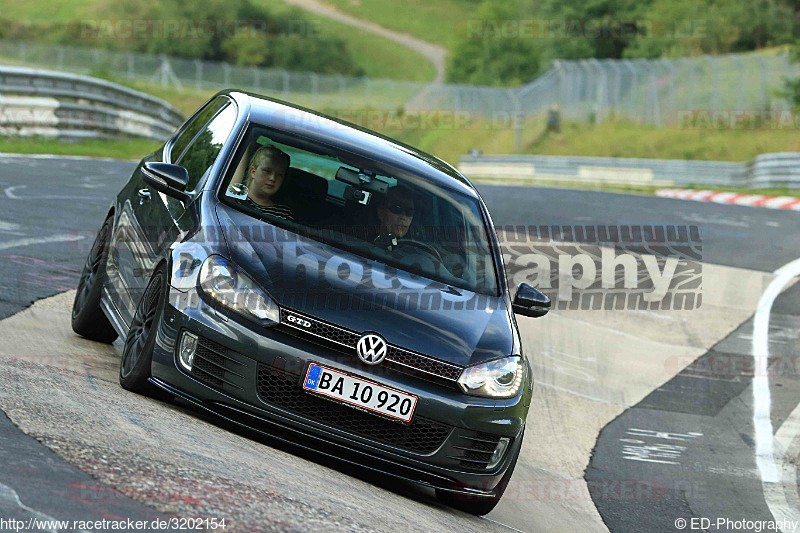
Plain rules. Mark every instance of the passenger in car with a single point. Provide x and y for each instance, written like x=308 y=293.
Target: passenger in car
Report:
x=265 y=175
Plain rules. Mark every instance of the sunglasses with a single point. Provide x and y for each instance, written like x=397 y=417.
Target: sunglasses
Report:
x=397 y=209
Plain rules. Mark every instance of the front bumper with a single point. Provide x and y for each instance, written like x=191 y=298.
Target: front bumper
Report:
x=252 y=376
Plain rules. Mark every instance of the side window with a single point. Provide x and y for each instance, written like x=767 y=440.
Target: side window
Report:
x=197 y=123
x=202 y=153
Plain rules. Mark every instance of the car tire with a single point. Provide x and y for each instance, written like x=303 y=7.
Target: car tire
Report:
x=88 y=319
x=137 y=355
x=479 y=507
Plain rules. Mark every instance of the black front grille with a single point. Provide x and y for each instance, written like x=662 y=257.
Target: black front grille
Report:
x=423 y=364
x=213 y=366
x=421 y=435
x=474 y=449
x=404 y=359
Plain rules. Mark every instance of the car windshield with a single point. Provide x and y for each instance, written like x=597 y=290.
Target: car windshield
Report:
x=362 y=206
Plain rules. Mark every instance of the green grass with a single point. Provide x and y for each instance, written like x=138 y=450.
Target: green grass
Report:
x=613 y=138
x=489 y=137
x=624 y=139
x=117 y=149
x=48 y=11
x=439 y=21
x=187 y=101
x=377 y=56
x=381 y=58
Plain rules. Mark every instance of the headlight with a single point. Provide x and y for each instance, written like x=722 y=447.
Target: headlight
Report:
x=501 y=378
x=228 y=285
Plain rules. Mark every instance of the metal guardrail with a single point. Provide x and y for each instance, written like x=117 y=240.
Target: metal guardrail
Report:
x=776 y=170
x=46 y=102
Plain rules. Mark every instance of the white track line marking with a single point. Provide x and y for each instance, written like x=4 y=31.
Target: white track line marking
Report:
x=9 y=192
x=8 y=226
x=43 y=240
x=10 y=495
x=501 y=524
x=782 y=498
x=775 y=492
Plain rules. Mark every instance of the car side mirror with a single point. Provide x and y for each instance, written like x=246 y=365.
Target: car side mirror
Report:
x=530 y=301
x=170 y=179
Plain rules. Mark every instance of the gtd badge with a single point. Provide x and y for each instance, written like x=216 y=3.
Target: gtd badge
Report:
x=298 y=321
x=371 y=348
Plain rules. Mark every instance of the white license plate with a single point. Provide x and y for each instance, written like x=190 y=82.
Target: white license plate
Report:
x=360 y=393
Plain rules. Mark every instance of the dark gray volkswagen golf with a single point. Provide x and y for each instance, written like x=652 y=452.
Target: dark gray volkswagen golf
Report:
x=322 y=284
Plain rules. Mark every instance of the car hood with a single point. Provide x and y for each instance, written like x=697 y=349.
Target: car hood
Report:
x=362 y=295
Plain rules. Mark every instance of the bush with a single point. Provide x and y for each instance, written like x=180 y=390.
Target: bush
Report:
x=485 y=56
x=236 y=31
x=793 y=86
x=694 y=27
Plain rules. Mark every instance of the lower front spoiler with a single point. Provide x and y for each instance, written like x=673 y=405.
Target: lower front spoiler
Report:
x=334 y=450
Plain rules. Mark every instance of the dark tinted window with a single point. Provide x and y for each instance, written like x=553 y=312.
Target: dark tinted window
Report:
x=416 y=226
x=202 y=153
x=197 y=123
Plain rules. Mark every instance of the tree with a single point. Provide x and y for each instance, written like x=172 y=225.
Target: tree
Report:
x=793 y=86
x=592 y=28
x=236 y=31
x=492 y=52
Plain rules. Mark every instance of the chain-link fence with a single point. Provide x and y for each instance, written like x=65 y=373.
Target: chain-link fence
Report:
x=660 y=91
x=307 y=88
x=647 y=91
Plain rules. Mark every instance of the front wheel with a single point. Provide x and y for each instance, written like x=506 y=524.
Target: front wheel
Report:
x=137 y=356
x=483 y=506
x=88 y=319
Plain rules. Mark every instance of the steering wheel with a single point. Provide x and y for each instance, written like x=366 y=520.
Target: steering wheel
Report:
x=424 y=246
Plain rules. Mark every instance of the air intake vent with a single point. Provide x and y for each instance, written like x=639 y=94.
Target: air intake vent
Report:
x=213 y=367
x=474 y=450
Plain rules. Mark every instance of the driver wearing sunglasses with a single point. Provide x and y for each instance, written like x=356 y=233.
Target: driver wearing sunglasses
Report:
x=396 y=213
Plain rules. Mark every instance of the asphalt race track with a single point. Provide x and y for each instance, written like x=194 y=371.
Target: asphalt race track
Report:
x=641 y=417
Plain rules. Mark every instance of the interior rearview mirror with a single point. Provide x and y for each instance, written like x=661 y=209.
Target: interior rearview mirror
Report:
x=360 y=181
x=530 y=301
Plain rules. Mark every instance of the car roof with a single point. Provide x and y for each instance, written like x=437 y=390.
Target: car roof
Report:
x=322 y=128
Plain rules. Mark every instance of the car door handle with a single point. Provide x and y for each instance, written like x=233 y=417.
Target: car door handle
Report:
x=144 y=194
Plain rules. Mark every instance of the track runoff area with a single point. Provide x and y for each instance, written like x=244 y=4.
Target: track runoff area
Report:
x=666 y=394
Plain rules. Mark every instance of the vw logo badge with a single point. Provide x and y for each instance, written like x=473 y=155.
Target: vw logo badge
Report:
x=371 y=348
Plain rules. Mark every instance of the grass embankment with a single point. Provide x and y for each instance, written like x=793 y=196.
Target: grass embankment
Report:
x=377 y=56
x=440 y=21
x=619 y=138
x=613 y=138
x=113 y=148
